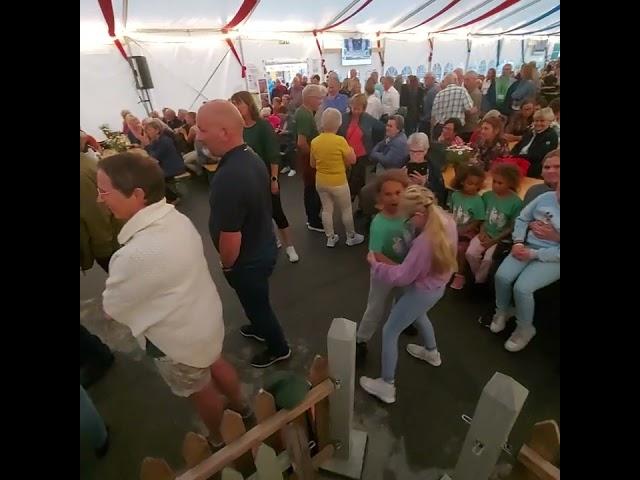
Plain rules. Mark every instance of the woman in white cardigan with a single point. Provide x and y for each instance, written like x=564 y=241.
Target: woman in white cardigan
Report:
x=159 y=285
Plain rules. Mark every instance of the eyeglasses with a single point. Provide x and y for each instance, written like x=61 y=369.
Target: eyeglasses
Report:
x=102 y=193
x=417 y=151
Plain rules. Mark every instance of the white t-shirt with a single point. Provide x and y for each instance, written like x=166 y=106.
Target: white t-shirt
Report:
x=390 y=101
x=159 y=286
x=374 y=106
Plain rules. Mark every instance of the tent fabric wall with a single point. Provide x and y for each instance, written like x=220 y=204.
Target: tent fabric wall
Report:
x=106 y=87
x=482 y=51
x=511 y=52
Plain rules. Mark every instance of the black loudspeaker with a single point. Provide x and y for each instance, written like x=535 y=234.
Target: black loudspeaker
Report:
x=141 y=72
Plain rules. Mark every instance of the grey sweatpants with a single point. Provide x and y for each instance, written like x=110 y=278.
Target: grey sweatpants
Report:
x=379 y=293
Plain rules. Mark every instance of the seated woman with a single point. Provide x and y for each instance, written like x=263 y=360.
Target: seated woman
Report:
x=163 y=149
x=272 y=118
x=520 y=122
x=536 y=143
x=186 y=134
x=422 y=169
x=450 y=130
x=490 y=145
x=135 y=130
x=534 y=263
x=476 y=133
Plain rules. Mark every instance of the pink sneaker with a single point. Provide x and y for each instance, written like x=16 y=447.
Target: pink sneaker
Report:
x=458 y=282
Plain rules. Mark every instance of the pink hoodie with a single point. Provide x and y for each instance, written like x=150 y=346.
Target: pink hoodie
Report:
x=416 y=267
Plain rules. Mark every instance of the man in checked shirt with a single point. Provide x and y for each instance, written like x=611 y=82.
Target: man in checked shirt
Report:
x=451 y=101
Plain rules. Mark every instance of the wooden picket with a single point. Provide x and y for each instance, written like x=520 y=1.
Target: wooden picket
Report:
x=260 y=454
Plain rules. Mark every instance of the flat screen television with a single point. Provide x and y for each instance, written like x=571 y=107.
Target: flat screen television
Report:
x=356 y=51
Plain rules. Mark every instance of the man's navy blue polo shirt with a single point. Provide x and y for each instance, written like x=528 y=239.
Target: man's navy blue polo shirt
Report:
x=240 y=200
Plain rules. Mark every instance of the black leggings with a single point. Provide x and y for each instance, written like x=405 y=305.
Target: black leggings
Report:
x=277 y=212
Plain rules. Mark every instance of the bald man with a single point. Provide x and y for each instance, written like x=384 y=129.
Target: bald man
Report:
x=240 y=225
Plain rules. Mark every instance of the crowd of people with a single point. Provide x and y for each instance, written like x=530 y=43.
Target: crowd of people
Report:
x=380 y=154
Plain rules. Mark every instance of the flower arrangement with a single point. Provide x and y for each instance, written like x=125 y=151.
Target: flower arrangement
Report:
x=115 y=140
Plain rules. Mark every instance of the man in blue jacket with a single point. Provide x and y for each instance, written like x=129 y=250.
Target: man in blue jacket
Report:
x=393 y=151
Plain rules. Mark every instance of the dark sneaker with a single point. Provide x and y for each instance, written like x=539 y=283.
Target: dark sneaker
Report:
x=411 y=330
x=91 y=373
x=361 y=352
x=249 y=332
x=266 y=359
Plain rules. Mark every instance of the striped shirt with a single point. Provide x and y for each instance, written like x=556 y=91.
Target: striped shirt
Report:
x=451 y=102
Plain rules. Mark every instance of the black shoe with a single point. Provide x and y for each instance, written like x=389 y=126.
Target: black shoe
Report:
x=266 y=358
x=411 y=330
x=249 y=332
x=102 y=451
x=361 y=352
x=91 y=373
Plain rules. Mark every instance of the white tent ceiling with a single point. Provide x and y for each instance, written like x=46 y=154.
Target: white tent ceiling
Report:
x=278 y=16
x=183 y=45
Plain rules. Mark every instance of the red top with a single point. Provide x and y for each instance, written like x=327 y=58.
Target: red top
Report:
x=274 y=120
x=354 y=138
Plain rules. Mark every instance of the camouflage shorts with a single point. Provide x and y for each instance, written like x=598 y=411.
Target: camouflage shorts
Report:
x=183 y=380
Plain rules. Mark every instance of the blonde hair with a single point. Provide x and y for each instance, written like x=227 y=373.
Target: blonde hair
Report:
x=359 y=99
x=544 y=114
x=443 y=253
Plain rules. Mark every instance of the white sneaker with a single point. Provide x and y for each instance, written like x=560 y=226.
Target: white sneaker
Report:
x=499 y=322
x=291 y=173
x=278 y=242
x=355 y=239
x=379 y=388
x=418 y=351
x=285 y=170
x=292 y=254
x=520 y=338
x=332 y=241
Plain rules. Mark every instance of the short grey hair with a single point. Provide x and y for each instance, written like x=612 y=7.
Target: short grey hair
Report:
x=449 y=79
x=399 y=119
x=312 y=90
x=389 y=78
x=331 y=120
x=419 y=139
x=544 y=113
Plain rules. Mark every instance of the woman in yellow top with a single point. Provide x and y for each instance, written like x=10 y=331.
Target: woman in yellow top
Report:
x=330 y=154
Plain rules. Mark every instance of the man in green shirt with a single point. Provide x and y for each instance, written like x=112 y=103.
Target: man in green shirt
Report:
x=503 y=82
x=305 y=131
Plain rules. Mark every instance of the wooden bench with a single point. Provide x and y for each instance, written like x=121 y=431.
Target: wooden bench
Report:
x=449 y=174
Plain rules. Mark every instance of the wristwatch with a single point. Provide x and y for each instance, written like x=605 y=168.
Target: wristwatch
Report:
x=274 y=179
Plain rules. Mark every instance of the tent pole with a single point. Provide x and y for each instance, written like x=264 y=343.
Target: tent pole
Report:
x=466 y=62
x=246 y=79
x=344 y=10
x=125 y=13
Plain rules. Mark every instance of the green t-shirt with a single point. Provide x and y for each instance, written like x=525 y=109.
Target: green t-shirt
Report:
x=390 y=237
x=305 y=124
x=465 y=208
x=500 y=212
x=262 y=139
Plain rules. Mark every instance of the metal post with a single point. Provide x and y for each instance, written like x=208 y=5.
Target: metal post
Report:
x=350 y=444
x=497 y=410
x=246 y=80
x=466 y=63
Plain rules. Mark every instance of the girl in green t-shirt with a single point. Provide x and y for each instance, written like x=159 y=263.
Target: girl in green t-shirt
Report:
x=502 y=206
x=467 y=208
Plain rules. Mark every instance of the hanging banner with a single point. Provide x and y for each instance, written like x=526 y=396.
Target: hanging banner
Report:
x=107 y=13
x=246 y=8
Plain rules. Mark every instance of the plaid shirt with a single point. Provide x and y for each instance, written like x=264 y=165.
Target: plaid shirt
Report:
x=453 y=101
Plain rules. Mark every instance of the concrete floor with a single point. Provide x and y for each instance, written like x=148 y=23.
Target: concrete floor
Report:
x=419 y=437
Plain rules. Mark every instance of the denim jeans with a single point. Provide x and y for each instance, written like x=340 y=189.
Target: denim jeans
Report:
x=528 y=276
x=91 y=424
x=412 y=307
x=251 y=283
